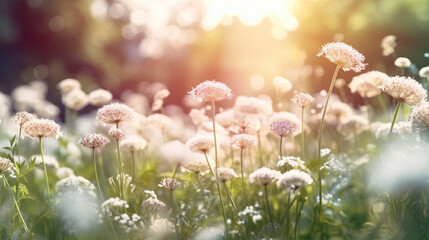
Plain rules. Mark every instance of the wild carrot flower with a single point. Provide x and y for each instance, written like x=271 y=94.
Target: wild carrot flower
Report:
x=291 y=162
x=100 y=97
x=294 y=179
x=211 y=91
x=200 y=143
x=352 y=126
x=282 y=128
x=42 y=128
x=388 y=45
x=64 y=172
x=419 y=117
x=367 y=84
x=289 y=117
x=115 y=113
x=94 y=140
x=402 y=62
x=170 y=183
x=196 y=163
x=117 y=134
x=302 y=99
x=198 y=116
x=253 y=105
x=282 y=84
x=343 y=55
x=243 y=140
x=22 y=117
x=152 y=203
x=405 y=89
x=133 y=143
x=226 y=174
x=264 y=176
x=76 y=99
x=68 y=85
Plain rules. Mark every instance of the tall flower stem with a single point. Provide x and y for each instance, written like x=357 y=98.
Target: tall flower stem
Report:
x=96 y=174
x=280 y=146
x=18 y=175
x=334 y=77
x=230 y=197
x=133 y=165
x=303 y=134
x=242 y=177
x=47 y=183
x=121 y=169
x=16 y=204
x=288 y=215
x=298 y=215
x=269 y=209
x=260 y=150
x=175 y=171
x=398 y=106
x=216 y=166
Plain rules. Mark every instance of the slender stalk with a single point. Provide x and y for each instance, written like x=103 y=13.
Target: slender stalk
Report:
x=398 y=106
x=45 y=171
x=288 y=215
x=208 y=163
x=96 y=174
x=298 y=215
x=16 y=203
x=18 y=175
x=280 y=146
x=121 y=170
x=133 y=166
x=268 y=206
x=216 y=165
x=334 y=77
x=303 y=134
x=260 y=149
x=242 y=177
x=230 y=197
x=175 y=171
x=67 y=120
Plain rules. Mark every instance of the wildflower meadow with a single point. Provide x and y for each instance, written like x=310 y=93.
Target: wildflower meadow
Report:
x=82 y=159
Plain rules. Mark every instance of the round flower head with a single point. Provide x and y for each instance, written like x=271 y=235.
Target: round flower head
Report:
x=133 y=143
x=367 y=84
x=282 y=84
x=264 y=176
x=405 y=89
x=424 y=72
x=292 y=162
x=225 y=174
x=117 y=133
x=170 y=184
x=4 y=164
x=243 y=140
x=115 y=113
x=64 y=172
x=344 y=55
x=303 y=99
x=402 y=62
x=93 y=140
x=76 y=99
x=253 y=105
x=388 y=45
x=22 y=117
x=419 y=117
x=100 y=97
x=352 y=125
x=68 y=85
x=282 y=128
x=211 y=91
x=200 y=143
x=197 y=163
x=294 y=179
x=41 y=128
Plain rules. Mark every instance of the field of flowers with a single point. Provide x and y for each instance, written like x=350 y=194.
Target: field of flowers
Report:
x=309 y=167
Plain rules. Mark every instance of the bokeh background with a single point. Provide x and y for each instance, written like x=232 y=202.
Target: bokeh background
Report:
x=125 y=45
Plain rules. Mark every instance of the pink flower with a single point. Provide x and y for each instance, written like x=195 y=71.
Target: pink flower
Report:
x=344 y=55
x=211 y=91
x=93 y=140
x=282 y=128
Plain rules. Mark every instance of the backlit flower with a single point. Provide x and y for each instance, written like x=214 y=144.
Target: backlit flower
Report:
x=93 y=140
x=75 y=99
x=294 y=179
x=41 y=128
x=419 y=117
x=405 y=89
x=133 y=143
x=4 y=164
x=115 y=113
x=100 y=97
x=117 y=133
x=402 y=62
x=303 y=99
x=170 y=184
x=243 y=140
x=344 y=55
x=264 y=176
x=197 y=163
x=388 y=45
x=367 y=84
x=225 y=174
x=282 y=84
x=22 y=117
x=211 y=91
x=200 y=143
x=68 y=85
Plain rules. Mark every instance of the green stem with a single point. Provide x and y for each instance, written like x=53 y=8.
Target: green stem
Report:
x=216 y=166
x=242 y=177
x=334 y=77
x=288 y=215
x=230 y=197
x=398 y=106
x=133 y=166
x=268 y=206
x=260 y=149
x=303 y=134
x=175 y=171
x=280 y=146
x=18 y=173
x=208 y=163
x=16 y=204
x=96 y=174
x=121 y=170
x=298 y=215
x=45 y=171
